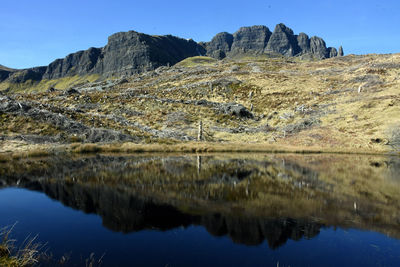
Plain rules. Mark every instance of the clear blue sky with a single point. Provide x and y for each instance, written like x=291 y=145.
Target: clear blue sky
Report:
x=35 y=33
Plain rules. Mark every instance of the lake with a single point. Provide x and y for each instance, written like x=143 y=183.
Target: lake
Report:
x=207 y=210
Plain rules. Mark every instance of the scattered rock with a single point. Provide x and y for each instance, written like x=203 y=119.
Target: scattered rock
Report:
x=72 y=91
x=237 y=110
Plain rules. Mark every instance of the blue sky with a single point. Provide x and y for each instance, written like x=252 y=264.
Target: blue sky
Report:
x=35 y=33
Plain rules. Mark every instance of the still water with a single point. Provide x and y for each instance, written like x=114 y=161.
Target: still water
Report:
x=215 y=210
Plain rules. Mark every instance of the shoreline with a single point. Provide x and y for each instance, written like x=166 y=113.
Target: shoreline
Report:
x=186 y=148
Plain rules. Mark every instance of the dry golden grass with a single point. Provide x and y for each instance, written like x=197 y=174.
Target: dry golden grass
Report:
x=285 y=93
x=204 y=147
x=26 y=255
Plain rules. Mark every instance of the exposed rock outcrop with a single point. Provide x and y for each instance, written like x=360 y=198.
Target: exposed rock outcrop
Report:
x=131 y=52
x=318 y=47
x=341 y=53
x=283 y=41
x=332 y=52
x=126 y=53
x=220 y=45
x=79 y=63
x=303 y=41
x=34 y=74
x=4 y=73
x=258 y=40
x=250 y=39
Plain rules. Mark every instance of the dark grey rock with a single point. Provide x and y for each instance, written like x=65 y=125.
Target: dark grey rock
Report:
x=283 y=41
x=250 y=40
x=237 y=110
x=332 y=52
x=340 y=53
x=220 y=45
x=79 y=63
x=72 y=91
x=4 y=74
x=128 y=53
x=303 y=42
x=33 y=74
x=133 y=52
x=218 y=54
x=258 y=40
x=318 y=47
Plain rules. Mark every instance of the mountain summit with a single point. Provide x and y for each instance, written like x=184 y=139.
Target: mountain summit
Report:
x=258 y=40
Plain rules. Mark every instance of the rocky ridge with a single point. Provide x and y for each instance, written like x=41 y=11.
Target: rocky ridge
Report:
x=260 y=40
x=128 y=53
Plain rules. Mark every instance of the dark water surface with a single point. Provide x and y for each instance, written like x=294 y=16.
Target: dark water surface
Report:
x=219 y=210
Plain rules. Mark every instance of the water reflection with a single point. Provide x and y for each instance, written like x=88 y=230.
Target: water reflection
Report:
x=250 y=198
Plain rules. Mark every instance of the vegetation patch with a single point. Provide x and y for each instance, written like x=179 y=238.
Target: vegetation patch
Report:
x=197 y=61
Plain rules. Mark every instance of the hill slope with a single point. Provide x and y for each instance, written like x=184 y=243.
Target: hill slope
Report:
x=348 y=103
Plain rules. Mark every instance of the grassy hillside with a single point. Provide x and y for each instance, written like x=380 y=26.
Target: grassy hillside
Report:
x=346 y=103
x=44 y=85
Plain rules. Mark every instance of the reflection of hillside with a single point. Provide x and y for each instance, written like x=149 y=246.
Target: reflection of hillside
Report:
x=248 y=199
x=124 y=212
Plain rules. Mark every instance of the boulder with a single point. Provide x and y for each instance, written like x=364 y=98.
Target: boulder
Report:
x=237 y=110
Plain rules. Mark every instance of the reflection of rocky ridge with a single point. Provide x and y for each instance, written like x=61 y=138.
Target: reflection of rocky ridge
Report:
x=125 y=212
x=249 y=200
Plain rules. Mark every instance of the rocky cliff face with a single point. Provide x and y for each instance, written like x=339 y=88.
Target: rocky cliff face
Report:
x=4 y=72
x=79 y=63
x=250 y=39
x=283 y=41
x=258 y=40
x=131 y=52
x=126 y=53
x=220 y=45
